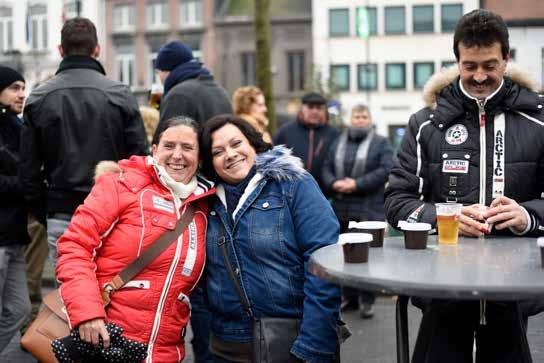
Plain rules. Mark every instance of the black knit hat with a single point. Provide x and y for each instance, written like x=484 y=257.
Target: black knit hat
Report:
x=173 y=54
x=9 y=76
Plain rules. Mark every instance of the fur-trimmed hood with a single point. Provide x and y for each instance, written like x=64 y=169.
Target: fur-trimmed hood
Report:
x=279 y=164
x=106 y=167
x=442 y=79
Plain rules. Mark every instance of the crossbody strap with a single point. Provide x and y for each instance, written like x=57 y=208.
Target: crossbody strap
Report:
x=158 y=247
x=241 y=295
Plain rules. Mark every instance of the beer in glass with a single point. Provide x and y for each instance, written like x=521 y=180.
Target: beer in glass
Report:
x=447 y=220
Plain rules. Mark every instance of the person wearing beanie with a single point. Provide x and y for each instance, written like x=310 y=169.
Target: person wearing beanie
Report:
x=310 y=135
x=189 y=88
x=72 y=122
x=14 y=301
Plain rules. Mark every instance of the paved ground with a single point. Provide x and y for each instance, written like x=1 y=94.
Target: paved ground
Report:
x=373 y=340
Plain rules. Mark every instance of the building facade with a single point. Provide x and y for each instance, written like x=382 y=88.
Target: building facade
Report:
x=381 y=52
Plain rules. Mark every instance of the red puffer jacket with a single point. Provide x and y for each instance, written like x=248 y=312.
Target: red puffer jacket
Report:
x=122 y=216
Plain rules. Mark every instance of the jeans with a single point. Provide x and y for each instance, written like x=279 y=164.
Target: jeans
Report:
x=200 y=323
x=55 y=229
x=14 y=301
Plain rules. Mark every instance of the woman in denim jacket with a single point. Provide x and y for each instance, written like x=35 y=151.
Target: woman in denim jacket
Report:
x=273 y=216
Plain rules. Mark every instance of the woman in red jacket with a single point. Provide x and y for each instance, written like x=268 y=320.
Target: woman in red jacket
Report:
x=125 y=213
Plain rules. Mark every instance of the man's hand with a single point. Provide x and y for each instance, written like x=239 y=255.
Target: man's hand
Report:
x=470 y=221
x=505 y=212
x=90 y=330
x=346 y=185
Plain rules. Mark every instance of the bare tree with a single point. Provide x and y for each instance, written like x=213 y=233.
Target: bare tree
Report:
x=261 y=23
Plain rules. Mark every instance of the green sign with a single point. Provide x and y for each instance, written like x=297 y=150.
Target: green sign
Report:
x=363 y=24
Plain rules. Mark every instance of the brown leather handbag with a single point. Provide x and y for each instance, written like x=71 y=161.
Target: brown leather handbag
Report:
x=52 y=320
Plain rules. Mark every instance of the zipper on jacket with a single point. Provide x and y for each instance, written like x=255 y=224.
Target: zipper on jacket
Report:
x=482 y=120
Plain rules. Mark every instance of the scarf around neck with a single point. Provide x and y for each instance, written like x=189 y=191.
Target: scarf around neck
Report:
x=360 y=157
x=183 y=72
x=180 y=190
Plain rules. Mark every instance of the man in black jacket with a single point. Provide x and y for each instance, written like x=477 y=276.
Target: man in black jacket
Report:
x=189 y=88
x=72 y=122
x=480 y=142
x=310 y=135
x=14 y=301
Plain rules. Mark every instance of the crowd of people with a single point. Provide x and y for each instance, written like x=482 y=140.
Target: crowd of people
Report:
x=96 y=181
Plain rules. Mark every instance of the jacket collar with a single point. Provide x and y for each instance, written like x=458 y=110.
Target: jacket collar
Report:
x=80 y=62
x=7 y=114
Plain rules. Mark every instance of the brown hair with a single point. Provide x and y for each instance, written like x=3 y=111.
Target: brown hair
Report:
x=78 y=37
x=243 y=98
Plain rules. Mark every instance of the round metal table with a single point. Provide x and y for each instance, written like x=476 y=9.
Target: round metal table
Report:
x=493 y=268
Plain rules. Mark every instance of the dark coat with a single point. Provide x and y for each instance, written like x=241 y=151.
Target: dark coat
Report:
x=73 y=121
x=366 y=202
x=13 y=212
x=198 y=98
x=296 y=135
x=448 y=134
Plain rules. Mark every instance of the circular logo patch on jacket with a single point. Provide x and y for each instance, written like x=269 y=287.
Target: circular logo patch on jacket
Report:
x=457 y=134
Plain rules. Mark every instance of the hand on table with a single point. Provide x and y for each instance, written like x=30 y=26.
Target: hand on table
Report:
x=472 y=221
x=505 y=212
x=90 y=330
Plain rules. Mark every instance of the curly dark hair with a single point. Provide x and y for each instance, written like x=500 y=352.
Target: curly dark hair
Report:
x=254 y=137
x=481 y=28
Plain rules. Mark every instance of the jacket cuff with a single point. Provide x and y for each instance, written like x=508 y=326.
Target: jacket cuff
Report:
x=530 y=224
x=308 y=354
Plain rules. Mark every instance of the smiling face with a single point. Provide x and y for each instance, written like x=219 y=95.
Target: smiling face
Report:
x=232 y=154
x=177 y=152
x=14 y=96
x=481 y=69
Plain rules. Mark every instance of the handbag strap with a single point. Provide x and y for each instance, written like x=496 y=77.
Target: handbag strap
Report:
x=241 y=295
x=165 y=240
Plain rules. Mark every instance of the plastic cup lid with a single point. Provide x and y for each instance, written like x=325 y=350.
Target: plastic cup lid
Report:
x=540 y=242
x=354 y=238
x=415 y=227
x=368 y=225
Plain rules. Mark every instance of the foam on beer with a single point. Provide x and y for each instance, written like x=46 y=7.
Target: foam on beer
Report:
x=344 y=238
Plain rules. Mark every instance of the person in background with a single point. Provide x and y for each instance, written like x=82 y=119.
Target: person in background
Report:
x=355 y=171
x=71 y=122
x=14 y=299
x=150 y=118
x=479 y=142
x=272 y=216
x=249 y=104
x=189 y=88
x=310 y=135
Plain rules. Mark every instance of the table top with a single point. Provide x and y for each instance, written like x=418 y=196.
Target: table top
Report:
x=496 y=268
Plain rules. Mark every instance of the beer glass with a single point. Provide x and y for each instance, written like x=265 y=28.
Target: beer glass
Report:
x=447 y=219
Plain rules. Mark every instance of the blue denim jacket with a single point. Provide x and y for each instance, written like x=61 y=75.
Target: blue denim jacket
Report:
x=280 y=220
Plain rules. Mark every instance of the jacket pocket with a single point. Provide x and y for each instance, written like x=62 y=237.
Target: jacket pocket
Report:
x=265 y=216
x=165 y=221
x=455 y=173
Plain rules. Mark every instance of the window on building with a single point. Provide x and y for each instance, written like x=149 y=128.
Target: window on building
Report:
x=367 y=21
x=71 y=9
x=340 y=76
x=123 y=17
x=542 y=67
x=153 y=76
x=124 y=65
x=6 y=29
x=423 y=18
x=296 y=71
x=38 y=26
x=395 y=76
x=191 y=13
x=248 y=68
x=157 y=14
x=422 y=72
x=451 y=13
x=367 y=76
x=395 y=20
x=447 y=64
x=338 y=22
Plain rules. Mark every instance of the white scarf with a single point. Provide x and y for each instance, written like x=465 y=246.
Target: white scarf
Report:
x=181 y=191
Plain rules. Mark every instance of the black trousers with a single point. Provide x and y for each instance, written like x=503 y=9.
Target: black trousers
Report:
x=448 y=329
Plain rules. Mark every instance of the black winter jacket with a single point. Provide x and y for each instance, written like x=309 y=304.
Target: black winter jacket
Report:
x=72 y=122
x=441 y=159
x=13 y=212
x=296 y=135
x=198 y=98
x=366 y=202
